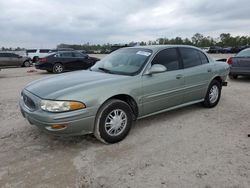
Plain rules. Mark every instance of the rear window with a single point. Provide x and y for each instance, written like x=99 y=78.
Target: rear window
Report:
x=244 y=53
x=31 y=51
x=204 y=58
x=76 y=54
x=44 y=51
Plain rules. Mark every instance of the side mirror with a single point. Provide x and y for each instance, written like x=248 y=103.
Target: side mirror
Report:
x=157 y=68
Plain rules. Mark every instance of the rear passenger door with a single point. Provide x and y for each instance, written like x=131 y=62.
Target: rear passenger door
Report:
x=82 y=60
x=197 y=72
x=4 y=61
x=163 y=90
x=68 y=61
x=15 y=60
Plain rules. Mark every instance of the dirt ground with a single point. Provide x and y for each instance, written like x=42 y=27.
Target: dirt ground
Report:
x=189 y=147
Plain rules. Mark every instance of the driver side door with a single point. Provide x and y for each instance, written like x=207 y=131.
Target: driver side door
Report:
x=163 y=90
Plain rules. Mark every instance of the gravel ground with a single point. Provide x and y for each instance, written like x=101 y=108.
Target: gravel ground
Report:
x=189 y=147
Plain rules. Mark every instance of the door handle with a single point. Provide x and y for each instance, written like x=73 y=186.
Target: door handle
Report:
x=209 y=70
x=179 y=76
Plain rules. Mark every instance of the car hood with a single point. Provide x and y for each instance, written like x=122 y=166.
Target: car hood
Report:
x=56 y=86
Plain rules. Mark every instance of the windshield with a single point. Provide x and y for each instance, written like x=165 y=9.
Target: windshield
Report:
x=244 y=53
x=126 y=61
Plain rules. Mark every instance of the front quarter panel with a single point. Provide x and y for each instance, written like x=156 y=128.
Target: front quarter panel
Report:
x=95 y=95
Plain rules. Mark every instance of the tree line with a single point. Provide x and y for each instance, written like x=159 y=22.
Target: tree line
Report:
x=199 y=40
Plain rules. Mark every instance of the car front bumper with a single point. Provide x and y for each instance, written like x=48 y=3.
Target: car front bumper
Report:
x=78 y=122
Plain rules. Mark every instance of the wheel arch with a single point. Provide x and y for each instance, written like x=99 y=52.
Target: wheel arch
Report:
x=218 y=78
x=23 y=64
x=129 y=100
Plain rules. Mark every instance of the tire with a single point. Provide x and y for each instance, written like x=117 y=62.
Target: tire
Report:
x=113 y=110
x=58 y=68
x=233 y=76
x=213 y=94
x=26 y=64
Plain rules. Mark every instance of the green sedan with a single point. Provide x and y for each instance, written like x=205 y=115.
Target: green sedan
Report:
x=126 y=85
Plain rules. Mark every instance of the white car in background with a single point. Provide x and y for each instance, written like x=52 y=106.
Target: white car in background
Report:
x=205 y=49
x=34 y=54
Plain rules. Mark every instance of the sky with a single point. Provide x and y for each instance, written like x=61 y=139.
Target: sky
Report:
x=46 y=23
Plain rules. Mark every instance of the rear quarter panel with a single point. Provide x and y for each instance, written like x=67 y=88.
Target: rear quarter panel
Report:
x=221 y=69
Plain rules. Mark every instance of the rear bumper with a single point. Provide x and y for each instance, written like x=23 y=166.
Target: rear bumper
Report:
x=44 y=66
x=240 y=71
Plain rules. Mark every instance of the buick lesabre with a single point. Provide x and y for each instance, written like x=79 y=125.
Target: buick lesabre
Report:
x=128 y=84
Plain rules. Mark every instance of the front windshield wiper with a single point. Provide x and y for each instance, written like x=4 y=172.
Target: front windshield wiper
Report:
x=105 y=70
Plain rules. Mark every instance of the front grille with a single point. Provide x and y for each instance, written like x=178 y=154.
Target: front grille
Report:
x=29 y=102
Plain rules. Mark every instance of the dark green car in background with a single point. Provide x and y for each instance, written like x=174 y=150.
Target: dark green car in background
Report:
x=126 y=85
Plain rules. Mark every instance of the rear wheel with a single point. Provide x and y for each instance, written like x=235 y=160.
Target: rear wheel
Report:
x=26 y=63
x=58 y=68
x=113 y=121
x=213 y=94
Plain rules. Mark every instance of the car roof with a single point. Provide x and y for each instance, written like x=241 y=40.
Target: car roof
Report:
x=156 y=48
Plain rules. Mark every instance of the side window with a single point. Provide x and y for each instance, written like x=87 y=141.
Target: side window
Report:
x=8 y=55
x=190 y=57
x=204 y=58
x=168 y=58
x=66 y=54
x=13 y=55
x=78 y=54
x=2 y=54
x=31 y=51
x=44 y=50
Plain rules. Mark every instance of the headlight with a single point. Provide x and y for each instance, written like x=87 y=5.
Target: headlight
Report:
x=61 y=106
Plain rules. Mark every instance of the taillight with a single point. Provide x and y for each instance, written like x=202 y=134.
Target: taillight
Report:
x=230 y=61
x=43 y=60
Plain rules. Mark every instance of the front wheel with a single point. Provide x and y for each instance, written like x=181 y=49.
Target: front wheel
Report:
x=113 y=121
x=213 y=94
x=58 y=68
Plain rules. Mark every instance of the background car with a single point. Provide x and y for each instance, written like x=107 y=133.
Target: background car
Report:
x=8 y=59
x=215 y=49
x=61 y=50
x=240 y=64
x=34 y=54
x=67 y=60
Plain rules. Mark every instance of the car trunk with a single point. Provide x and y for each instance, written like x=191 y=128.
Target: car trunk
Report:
x=241 y=62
